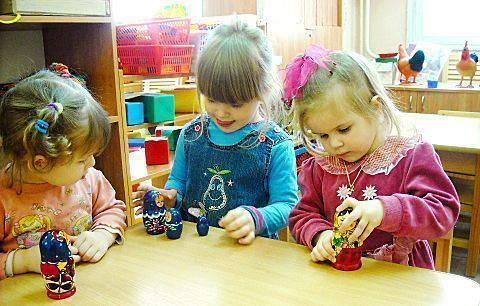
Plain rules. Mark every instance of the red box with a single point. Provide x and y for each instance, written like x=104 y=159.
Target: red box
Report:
x=156 y=150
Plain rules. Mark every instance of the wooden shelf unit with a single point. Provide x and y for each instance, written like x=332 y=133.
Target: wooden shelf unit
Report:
x=88 y=44
x=137 y=170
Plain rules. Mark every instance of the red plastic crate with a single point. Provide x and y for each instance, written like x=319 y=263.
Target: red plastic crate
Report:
x=155 y=60
x=158 y=32
x=198 y=39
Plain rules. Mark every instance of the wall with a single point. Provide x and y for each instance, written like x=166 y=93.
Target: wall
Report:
x=388 y=25
x=21 y=53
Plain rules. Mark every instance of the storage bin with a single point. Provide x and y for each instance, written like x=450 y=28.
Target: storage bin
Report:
x=158 y=107
x=198 y=39
x=135 y=113
x=155 y=60
x=172 y=132
x=156 y=32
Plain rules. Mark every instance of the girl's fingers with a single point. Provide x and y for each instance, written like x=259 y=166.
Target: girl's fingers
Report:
x=315 y=255
x=350 y=219
x=76 y=258
x=348 y=202
x=360 y=228
x=240 y=233
x=248 y=239
x=366 y=233
x=89 y=254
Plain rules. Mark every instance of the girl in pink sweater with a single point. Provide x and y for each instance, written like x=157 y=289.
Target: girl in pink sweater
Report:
x=50 y=130
x=400 y=195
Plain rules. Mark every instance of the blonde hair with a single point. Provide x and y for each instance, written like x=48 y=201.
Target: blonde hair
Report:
x=356 y=81
x=236 y=67
x=82 y=127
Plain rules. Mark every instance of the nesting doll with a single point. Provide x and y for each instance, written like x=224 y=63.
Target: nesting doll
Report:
x=174 y=223
x=154 y=213
x=57 y=267
x=202 y=225
x=348 y=254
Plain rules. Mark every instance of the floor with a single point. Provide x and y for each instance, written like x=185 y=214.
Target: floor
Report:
x=459 y=261
x=459 y=255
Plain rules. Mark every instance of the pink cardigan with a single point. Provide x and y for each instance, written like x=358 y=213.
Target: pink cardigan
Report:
x=420 y=202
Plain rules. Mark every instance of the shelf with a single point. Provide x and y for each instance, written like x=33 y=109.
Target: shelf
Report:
x=37 y=22
x=178 y=117
x=128 y=78
x=139 y=171
x=113 y=119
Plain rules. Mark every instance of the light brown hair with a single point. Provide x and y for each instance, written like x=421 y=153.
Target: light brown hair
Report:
x=82 y=127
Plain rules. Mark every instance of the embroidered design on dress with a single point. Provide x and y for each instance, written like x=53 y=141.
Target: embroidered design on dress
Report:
x=369 y=193
x=343 y=192
x=215 y=197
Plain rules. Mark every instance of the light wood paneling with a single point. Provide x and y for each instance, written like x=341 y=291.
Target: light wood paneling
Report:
x=228 y=7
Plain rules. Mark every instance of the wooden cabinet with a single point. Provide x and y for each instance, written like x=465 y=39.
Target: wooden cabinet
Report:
x=292 y=25
x=87 y=44
x=431 y=100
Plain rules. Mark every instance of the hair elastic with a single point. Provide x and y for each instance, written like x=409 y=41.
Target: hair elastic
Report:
x=299 y=70
x=41 y=126
x=57 y=106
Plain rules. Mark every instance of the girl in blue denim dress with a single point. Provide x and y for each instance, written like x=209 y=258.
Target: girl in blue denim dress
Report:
x=233 y=164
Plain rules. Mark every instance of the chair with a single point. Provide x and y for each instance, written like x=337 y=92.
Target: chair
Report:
x=443 y=252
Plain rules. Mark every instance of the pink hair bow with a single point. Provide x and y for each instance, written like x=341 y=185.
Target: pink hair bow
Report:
x=299 y=70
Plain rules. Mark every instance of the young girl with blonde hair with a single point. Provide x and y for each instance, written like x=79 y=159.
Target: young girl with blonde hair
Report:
x=50 y=130
x=234 y=164
x=400 y=195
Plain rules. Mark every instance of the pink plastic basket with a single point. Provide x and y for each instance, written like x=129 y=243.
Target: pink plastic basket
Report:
x=157 y=32
x=198 y=39
x=155 y=60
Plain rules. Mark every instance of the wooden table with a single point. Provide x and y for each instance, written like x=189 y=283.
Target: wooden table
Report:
x=457 y=141
x=215 y=270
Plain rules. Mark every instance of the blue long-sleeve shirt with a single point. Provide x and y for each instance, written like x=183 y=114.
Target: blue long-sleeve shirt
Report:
x=280 y=181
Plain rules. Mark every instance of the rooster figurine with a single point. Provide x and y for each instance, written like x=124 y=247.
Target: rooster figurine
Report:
x=467 y=65
x=410 y=67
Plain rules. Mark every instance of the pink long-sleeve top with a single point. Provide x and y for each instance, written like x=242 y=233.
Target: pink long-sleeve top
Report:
x=420 y=201
x=86 y=205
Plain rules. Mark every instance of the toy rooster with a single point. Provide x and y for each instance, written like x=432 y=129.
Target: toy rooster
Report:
x=410 y=67
x=467 y=65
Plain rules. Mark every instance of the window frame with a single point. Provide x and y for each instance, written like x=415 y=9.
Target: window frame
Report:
x=415 y=10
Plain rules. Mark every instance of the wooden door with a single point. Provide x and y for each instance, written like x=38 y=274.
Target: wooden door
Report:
x=431 y=102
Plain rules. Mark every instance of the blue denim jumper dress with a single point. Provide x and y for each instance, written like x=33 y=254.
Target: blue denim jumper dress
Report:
x=221 y=178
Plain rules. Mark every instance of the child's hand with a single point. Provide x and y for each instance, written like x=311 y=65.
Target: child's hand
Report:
x=27 y=260
x=323 y=250
x=368 y=213
x=91 y=246
x=169 y=195
x=239 y=225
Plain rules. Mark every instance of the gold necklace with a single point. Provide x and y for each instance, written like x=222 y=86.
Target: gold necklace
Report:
x=351 y=185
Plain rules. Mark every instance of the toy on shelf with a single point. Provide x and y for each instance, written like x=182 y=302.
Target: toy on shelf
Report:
x=58 y=266
x=202 y=225
x=154 y=213
x=174 y=223
x=410 y=66
x=467 y=65
x=156 y=150
x=348 y=254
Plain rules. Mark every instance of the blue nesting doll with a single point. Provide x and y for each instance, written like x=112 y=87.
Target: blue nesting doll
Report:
x=154 y=213
x=174 y=223
x=57 y=267
x=202 y=225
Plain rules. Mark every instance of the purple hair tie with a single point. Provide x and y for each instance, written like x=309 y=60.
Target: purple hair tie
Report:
x=299 y=70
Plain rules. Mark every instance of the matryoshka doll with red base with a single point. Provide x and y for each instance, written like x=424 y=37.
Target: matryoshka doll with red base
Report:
x=154 y=213
x=348 y=254
x=57 y=267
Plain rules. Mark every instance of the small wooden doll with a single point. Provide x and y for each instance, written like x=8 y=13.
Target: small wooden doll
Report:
x=348 y=254
x=57 y=267
x=154 y=213
x=174 y=223
x=202 y=225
